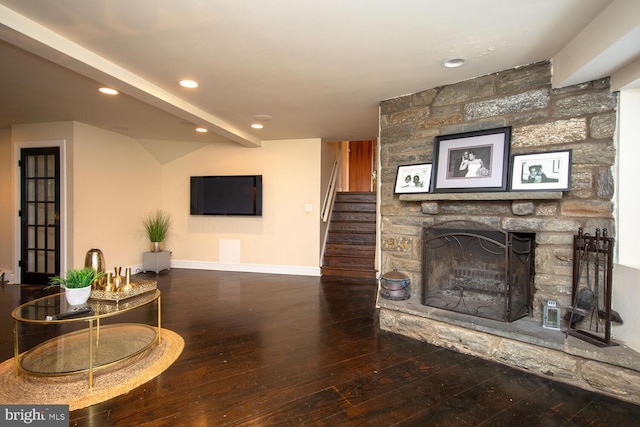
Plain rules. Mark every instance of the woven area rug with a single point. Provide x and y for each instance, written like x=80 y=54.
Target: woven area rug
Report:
x=73 y=390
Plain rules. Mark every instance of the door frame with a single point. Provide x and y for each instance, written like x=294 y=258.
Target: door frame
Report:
x=17 y=235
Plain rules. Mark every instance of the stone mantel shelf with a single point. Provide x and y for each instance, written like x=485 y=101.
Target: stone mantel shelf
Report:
x=510 y=195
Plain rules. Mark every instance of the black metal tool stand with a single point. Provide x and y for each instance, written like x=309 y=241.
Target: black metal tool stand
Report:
x=591 y=315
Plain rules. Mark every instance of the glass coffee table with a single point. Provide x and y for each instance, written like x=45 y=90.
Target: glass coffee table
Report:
x=47 y=346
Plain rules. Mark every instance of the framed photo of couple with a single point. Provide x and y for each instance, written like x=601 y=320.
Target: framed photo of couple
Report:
x=472 y=161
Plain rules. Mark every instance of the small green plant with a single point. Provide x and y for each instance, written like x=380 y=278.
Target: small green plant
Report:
x=157 y=225
x=76 y=278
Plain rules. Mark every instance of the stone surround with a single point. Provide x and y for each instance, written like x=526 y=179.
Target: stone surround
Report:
x=581 y=118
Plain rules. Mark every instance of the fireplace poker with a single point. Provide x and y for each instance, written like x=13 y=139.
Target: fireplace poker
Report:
x=583 y=297
x=578 y=242
x=596 y=278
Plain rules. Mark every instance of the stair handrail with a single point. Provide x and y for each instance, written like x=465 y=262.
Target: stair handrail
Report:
x=330 y=194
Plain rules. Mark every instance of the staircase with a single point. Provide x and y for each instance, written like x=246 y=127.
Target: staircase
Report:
x=351 y=241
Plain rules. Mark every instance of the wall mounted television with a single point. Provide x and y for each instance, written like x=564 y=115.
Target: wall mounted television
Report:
x=226 y=195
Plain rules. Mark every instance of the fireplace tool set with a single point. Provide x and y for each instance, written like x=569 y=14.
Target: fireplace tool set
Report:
x=590 y=316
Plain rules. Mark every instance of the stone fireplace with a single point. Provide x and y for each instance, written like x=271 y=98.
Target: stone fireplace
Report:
x=475 y=269
x=581 y=118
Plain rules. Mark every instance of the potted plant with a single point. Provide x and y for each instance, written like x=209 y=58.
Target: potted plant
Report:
x=77 y=284
x=156 y=226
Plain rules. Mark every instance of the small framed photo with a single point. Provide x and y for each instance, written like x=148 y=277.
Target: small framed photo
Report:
x=413 y=178
x=541 y=171
x=472 y=161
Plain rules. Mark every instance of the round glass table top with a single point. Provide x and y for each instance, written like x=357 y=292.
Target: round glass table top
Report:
x=42 y=310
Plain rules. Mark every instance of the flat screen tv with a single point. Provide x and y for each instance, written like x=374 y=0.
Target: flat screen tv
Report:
x=226 y=195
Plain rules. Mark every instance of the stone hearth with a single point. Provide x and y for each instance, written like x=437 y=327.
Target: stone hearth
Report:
x=523 y=344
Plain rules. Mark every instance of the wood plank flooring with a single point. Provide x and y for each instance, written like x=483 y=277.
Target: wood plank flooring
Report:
x=278 y=350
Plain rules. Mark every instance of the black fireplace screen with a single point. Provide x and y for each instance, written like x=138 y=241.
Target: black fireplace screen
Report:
x=476 y=269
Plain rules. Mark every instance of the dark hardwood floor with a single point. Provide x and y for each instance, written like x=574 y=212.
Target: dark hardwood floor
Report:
x=280 y=350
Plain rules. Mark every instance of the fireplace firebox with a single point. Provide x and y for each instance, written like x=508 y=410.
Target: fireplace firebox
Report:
x=476 y=269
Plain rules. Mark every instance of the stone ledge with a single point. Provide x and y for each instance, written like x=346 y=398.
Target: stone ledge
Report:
x=498 y=195
x=523 y=344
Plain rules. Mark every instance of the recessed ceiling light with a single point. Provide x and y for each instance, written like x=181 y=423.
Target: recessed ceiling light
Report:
x=189 y=84
x=108 y=91
x=454 y=62
x=257 y=126
x=262 y=117
x=202 y=130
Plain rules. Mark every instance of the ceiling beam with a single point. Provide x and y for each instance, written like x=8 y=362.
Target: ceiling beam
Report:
x=627 y=77
x=38 y=40
x=608 y=44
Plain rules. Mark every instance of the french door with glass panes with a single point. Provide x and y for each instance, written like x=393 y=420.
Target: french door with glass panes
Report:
x=39 y=214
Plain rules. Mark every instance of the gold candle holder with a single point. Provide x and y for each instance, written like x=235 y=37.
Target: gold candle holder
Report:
x=109 y=285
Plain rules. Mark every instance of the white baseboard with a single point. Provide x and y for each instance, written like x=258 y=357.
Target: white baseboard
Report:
x=9 y=277
x=247 y=268
x=217 y=266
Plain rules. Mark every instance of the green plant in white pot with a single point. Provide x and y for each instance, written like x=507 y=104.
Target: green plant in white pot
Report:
x=77 y=284
x=156 y=226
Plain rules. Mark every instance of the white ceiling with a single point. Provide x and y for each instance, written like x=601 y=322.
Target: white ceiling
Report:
x=318 y=67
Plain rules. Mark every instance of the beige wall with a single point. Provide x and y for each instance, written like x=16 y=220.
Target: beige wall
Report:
x=112 y=182
x=115 y=183
x=109 y=181
x=285 y=239
x=6 y=203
